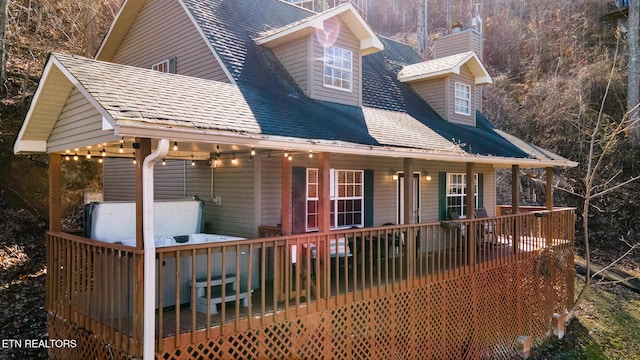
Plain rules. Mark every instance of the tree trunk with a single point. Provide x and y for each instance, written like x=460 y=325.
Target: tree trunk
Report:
x=633 y=85
x=423 y=32
x=3 y=55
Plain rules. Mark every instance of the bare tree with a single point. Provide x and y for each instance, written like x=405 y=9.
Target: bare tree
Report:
x=3 y=55
x=423 y=31
x=633 y=84
x=603 y=137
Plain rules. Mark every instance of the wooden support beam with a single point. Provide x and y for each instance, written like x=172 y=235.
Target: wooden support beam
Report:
x=324 y=201
x=515 y=204
x=286 y=196
x=549 y=188
x=515 y=189
x=142 y=152
x=470 y=204
x=55 y=193
x=549 y=201
x=408 y=191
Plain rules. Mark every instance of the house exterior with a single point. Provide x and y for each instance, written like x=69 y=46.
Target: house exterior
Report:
x=332 y=164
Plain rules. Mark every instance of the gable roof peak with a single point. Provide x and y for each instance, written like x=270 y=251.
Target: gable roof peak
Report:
x=369 y=42
x=445 y=66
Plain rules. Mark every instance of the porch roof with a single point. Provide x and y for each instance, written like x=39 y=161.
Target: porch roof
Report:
x=141 y=102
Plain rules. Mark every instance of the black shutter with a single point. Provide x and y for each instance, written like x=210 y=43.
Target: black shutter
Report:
x=298 y=199
x=442 y=195
x=368 y=198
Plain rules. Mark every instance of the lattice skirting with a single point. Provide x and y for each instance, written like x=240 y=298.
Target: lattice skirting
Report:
x=88 y=345
x=474 y=316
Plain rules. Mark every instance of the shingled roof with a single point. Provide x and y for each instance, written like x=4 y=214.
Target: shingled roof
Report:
x=266 y=103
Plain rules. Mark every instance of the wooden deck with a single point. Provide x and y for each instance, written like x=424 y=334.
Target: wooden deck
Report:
x=92 y=283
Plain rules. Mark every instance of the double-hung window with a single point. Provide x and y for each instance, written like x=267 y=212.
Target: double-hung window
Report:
x=338 y=68
x=457 y=193
x=462 y=99
x=346 y=197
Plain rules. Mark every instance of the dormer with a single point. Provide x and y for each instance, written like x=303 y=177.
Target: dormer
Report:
x=323 y=53
x=451 y=85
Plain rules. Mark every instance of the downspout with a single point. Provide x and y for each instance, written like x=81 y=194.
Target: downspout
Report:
x=149 y=333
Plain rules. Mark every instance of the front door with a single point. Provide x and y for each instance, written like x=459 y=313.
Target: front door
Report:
x=416 y=198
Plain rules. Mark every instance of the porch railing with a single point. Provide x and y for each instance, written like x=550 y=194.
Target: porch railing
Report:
x=208 y=290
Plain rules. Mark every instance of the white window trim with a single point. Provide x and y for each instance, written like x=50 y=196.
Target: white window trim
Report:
x=349 y=70
x=457 y=98
x=164 y=63
x=335 y=198
x=463 y=195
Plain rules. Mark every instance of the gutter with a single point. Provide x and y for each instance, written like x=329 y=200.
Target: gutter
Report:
x=126 y=128
x=149 y=333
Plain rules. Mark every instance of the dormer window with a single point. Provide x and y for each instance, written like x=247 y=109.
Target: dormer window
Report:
x=463 y=99
x=165 y=66
x=338 y=68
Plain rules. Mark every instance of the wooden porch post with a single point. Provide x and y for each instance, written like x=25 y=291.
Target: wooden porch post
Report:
x=285 y=212
x=409 y=217
x=549 y=188
x=408 y=191
x=515 y=204
x=549 y=201
x=142 y=152
x=515 y=189
x=55 y=193
x=324 y=203
x=470 y=204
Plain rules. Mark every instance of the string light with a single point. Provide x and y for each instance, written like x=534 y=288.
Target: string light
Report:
x=193 y=162
x=233 y=159
x=310 y=154
x=253 y=152
x=103 y=152
x=175 y=146
x=290 y=158
x=100 y=160
x=75 y=156
x=122 y=140
x=121 y=150
x=164 y=162
x=88 y=154
x=67 y=158
x=134 y=157
x=286 y=154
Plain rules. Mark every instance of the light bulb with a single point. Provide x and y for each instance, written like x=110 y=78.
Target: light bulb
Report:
x=175 y=146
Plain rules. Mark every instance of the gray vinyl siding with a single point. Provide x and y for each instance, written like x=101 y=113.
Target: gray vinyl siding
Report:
x=385 y=188
x=271 y=191
x=465 y=77
x=79 y=124
x=163 y=30
x=457 y=43
x=180 y=180
x=346 y=40
x=120 y=180
x=433 y=92
x=235 y=187
x=294 y=56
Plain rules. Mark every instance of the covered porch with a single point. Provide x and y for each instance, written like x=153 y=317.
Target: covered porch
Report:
x=278 y=283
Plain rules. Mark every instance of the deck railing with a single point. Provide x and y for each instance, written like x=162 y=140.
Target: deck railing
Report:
x=93 y=285
x=247 y=284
